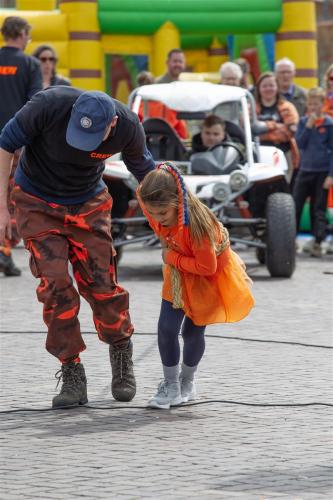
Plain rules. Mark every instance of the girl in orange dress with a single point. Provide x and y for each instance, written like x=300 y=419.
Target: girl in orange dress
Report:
x=204 y=280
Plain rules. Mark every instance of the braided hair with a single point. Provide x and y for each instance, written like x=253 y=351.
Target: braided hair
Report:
x=166 y=186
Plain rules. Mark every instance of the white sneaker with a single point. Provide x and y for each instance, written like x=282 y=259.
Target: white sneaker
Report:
x=168 y=394
x=188 y=389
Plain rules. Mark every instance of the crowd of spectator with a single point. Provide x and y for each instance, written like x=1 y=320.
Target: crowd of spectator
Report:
x=297 y=121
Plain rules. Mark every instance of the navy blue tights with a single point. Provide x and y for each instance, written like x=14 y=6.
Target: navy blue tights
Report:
x=169 y=325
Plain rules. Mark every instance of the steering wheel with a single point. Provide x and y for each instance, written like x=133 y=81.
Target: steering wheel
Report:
x=227 y=144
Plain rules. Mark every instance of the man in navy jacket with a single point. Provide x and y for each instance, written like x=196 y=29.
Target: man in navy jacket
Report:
x=63 y=214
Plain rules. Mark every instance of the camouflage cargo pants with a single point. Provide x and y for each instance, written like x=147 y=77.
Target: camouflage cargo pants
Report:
x=56 y=234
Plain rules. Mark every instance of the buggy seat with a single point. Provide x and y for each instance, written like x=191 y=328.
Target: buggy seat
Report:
x=162 y=141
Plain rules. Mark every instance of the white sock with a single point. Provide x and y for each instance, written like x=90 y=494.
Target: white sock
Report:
x=171 y=373
x=188 y=371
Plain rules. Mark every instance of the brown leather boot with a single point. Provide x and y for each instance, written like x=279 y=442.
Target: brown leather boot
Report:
x=74 y=386
x=123 y=385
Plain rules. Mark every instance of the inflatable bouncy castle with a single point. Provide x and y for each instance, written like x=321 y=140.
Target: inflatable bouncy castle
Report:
x=103 y=44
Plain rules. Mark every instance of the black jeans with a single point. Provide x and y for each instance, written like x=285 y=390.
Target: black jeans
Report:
x=310 y=184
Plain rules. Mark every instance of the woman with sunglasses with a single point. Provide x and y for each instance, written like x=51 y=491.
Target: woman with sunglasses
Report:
x=48 y=62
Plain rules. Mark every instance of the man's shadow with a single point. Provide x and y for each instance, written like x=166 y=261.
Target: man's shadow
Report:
x=96 y=417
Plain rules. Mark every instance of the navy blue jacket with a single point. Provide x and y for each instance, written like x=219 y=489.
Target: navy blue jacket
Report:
x=20 y=79
x=316 y=146
x=53 y=170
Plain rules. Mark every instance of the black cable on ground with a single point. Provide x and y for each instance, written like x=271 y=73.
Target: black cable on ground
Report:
x=287 y=342
x=197 y=403
x=219 y=401
x=212 y=335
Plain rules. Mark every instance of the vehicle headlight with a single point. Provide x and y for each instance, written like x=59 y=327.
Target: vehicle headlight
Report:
x=221 y=192
x=238 y=180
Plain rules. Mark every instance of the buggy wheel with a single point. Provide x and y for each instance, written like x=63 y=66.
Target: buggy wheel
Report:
x=281 y=235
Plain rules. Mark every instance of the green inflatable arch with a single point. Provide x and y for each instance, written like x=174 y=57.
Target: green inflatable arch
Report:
x=144 y=17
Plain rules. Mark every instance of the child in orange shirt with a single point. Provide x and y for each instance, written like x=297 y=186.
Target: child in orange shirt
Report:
x=204 y=280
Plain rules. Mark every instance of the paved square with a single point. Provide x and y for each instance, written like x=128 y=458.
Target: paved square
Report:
x=216 y=450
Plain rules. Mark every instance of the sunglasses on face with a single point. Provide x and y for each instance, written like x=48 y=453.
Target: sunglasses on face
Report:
x=330 y=78
x=45 y=59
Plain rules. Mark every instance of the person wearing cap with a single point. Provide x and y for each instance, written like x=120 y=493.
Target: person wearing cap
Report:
x=63 y=215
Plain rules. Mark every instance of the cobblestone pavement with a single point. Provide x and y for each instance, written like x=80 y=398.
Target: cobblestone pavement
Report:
x=216 y=450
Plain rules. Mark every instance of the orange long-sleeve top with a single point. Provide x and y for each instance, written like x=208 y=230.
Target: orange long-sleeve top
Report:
x=159 y=110
x=187 y=255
